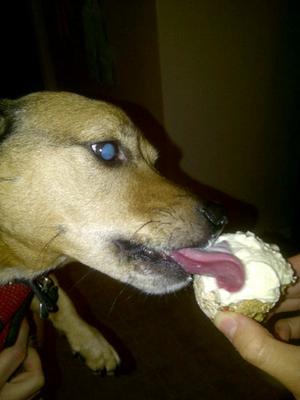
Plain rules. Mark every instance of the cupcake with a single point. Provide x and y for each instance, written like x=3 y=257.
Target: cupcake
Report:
x=239 y=273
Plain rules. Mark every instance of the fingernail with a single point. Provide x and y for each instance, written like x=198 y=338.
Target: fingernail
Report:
x=226 y=323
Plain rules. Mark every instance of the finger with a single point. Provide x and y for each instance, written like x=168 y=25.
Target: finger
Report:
x=257 y=346
x=288 y=328
x=288 y=305
x=295 y=261
x=27 y=383
x=32 y=364
x=12 y=357
x=23 y=335
x=293 y=291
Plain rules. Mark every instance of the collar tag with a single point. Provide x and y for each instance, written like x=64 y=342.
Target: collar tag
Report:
x=47 y=293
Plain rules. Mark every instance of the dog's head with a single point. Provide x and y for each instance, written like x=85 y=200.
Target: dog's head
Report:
x=77 y=182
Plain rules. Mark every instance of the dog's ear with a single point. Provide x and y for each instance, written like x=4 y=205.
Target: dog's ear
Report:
x=5 y=118
x=2 y=124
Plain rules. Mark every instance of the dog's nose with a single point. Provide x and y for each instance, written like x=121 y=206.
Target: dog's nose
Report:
x=216 y=216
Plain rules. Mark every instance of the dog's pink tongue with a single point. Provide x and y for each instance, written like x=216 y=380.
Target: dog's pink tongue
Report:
x=225 y=267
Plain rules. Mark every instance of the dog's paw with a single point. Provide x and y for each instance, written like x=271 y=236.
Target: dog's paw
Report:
x=94 y=350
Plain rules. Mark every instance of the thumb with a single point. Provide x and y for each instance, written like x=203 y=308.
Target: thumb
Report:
x=257 y=346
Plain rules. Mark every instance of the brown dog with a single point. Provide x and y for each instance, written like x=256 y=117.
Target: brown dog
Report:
x=77 y=182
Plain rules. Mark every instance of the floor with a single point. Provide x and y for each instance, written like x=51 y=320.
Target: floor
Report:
x=169 y=349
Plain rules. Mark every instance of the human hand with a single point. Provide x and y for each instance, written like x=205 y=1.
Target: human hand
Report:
x=27 y=383
x=289 y=328
x=257 y=346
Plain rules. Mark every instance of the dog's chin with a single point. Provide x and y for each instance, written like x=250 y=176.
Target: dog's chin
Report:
x=153 y=271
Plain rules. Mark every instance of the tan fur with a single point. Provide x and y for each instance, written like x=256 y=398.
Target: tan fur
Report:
x=59 y=203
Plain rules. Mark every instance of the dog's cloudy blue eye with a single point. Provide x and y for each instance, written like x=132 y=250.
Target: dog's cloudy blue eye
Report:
x=107 y=151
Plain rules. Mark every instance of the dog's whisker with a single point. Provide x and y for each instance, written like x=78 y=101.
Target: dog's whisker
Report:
x=7 y=179
x=143 y=226
x=115 y=300
x=81 y=279
x=183 y=196
x=44 y=250
x=164 y=211
x=160 y=223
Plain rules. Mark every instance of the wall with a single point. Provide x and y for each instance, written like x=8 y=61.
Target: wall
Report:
x=220 y=77
x=224 y=100
x=133 y=37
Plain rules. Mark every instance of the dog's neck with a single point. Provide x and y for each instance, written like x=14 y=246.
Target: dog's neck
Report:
x=18 y=261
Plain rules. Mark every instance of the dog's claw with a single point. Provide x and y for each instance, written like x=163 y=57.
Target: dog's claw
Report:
x=103 y=372
x=99 y=372
x=78 y=356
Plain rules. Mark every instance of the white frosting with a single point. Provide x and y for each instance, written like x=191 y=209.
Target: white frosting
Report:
x=265 y=269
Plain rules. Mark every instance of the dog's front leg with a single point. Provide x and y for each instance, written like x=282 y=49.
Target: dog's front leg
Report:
x=84 y=339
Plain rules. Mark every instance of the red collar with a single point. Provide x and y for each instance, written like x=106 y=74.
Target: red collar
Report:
x=14 y=301
x=15 y=298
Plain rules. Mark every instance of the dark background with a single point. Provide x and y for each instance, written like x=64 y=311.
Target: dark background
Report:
x=50 y=45
x=169 y=350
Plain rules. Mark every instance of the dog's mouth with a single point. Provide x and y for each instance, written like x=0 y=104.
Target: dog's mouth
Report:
x=214 y=261
x=140 y=254
x=152 y=270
